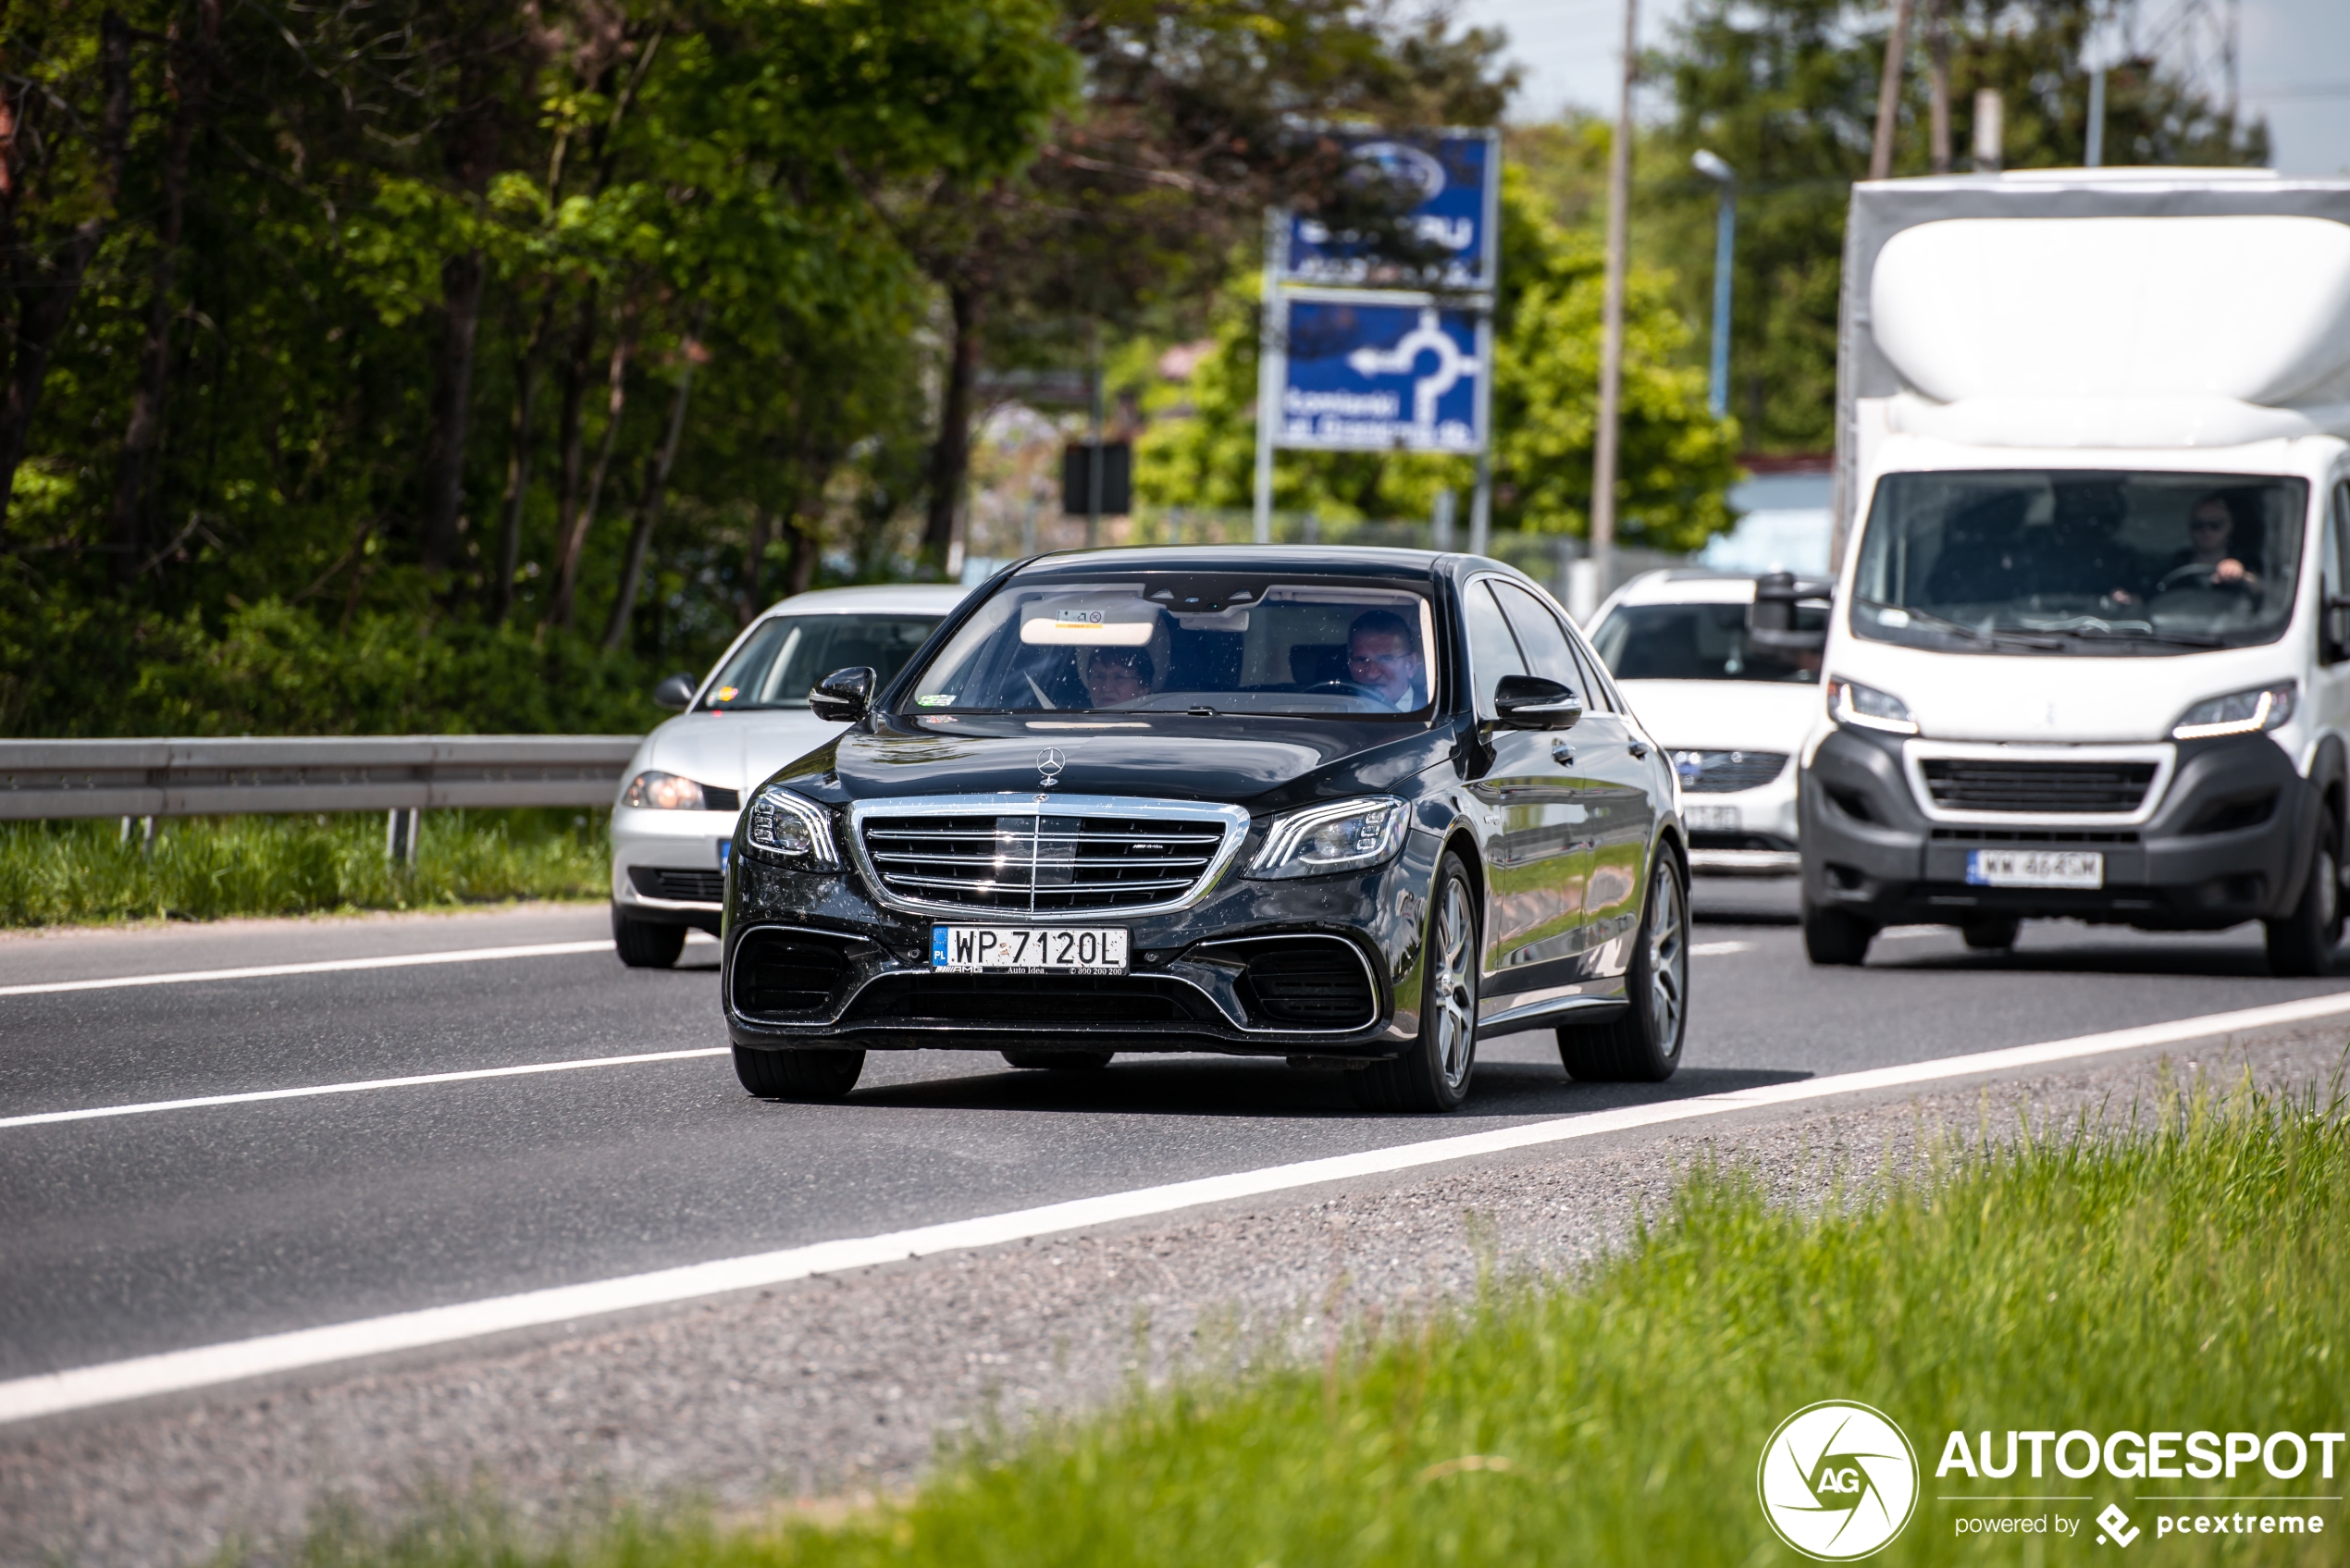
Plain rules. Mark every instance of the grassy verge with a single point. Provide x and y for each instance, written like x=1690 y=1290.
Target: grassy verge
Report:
x=2187 y=1273
x=55 y=873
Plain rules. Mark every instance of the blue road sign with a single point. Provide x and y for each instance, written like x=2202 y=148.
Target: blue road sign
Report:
x=1362 y=375
x=1458 y=176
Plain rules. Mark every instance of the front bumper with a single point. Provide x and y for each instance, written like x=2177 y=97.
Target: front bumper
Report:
x=665 y=866
x=2231 y=839
x=1763 y=841
x=813 y=961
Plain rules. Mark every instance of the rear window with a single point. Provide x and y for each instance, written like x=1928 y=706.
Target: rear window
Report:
x=1698 y=642
x=787 y=654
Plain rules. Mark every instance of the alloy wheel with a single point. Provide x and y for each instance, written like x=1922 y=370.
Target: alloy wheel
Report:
x=1456 y=985
x=1668 y=956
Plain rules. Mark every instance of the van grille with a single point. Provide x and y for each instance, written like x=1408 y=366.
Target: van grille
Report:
x=1961 y=783
x=1030 y=862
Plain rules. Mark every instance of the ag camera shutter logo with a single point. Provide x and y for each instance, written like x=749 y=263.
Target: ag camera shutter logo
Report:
x=1837 y=1480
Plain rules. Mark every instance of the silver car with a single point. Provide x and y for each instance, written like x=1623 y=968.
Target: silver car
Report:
x=675 y=815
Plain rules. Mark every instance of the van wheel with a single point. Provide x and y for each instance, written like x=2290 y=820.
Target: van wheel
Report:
x=1994 y=933
x=2303 y=943
x=1833 y=936
x=645 y=946
x=1060 y=1061
x=798 y=1075
x=1644 y=1046
x=1434 y=1074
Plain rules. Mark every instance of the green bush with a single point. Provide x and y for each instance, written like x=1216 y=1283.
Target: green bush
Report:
x=2189 y=1273
x=206 y=868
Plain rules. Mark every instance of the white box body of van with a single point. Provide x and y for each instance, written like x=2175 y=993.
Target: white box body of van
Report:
x=2093 y=503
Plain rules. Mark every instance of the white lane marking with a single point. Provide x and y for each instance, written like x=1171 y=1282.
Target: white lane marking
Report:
x=361 y=1086
x=177 y=1371
x=327 y=966
x=1717 y=949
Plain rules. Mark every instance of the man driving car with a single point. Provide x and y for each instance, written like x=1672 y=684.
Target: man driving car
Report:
x=1383 y=658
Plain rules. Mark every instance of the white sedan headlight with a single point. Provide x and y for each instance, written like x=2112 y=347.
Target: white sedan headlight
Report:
x=656 y=791
x=780 y=823
x=2238 y=713
x=1336 y=835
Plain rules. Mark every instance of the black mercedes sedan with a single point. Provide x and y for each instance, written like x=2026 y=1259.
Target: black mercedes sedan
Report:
x=1352 y=808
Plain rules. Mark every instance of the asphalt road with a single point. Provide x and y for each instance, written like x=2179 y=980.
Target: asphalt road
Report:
x=123 y=1235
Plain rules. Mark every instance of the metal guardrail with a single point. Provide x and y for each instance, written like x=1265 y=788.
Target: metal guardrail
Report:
x=53 y=779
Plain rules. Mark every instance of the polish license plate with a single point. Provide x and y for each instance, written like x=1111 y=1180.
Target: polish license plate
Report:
x=1714 y=818
x=2035 y=867
x=1028 y=949
x=725 y=847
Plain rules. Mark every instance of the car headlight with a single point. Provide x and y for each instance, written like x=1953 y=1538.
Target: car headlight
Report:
x=2238 y=713
x=1336 y=835
x=656 y=791
x=1850 y=702
x=782 y=824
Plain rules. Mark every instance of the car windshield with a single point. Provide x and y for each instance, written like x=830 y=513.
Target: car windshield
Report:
x=2078 y=562
x=788 y=654
x=1174 y=641
x=1699 y=642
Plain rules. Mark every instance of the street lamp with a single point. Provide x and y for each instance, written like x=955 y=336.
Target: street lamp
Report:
x=1725 y=231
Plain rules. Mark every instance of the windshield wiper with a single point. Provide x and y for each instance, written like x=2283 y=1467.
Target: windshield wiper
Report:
x=2098 y=630
x=1944 y=624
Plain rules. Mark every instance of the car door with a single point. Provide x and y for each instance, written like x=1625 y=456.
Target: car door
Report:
x=1532 y=825
x=1609 y=784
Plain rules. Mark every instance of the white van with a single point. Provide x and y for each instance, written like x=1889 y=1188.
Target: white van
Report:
x=2089 y=656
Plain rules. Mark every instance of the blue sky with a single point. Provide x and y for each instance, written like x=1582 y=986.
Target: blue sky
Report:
x=2296 y=65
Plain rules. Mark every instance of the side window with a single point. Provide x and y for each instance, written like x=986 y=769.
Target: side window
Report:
x=2333 y=643
x=1492 y=651
x=1604 y=694
x=1539 y=634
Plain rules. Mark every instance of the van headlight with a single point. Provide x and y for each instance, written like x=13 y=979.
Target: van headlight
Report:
x=1336 y=835
x=653 y=790
x=780 y=823
x=2238 y=713
x=1850 y=702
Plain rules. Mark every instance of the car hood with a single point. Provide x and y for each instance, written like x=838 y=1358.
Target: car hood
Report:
x=1264 y=764
x=734 y=751
x=1725 y=715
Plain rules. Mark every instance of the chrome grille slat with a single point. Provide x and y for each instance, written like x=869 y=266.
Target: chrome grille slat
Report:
x=1041 y=856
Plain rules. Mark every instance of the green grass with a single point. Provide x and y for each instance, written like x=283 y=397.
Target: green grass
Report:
x=2186 y=1272
x=201 y=869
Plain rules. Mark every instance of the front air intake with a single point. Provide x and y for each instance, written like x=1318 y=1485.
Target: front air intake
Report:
x=786 y=973
x=1305 y=982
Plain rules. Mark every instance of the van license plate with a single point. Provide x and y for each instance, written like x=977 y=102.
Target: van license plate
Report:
x=2035 y=867
x=1027 y=950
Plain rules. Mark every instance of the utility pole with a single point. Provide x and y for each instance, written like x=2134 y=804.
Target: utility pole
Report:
x=1990 y=131
x=1619 y=201
x=1094 y=458
x=1889 y=94
x=1725 y=239
x=2094 y=156
x=1272 y=338
x=1938 y=47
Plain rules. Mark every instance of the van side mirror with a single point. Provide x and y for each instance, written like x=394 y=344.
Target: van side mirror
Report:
x=676 y=694
x=1771 y=620
x=2333 y=636
x=842 y=697
x=1535 y=702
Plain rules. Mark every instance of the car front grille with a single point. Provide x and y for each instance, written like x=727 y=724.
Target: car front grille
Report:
x=1028 y=862
x=1963 y=784
x=1725 y=772
x=682 y=887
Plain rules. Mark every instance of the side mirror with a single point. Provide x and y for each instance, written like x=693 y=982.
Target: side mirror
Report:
x=677 y=693
x=1770 y=621
x=2333 y=637
x=1536 y=702
x=842 y=697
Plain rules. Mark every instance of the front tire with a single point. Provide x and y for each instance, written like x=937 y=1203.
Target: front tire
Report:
x=1434 y=1074
x=1834 y=937
x=1060 y=1061
x=1644 y=1046
x=645 y=946
x=2302 y=944
x=798 y=1075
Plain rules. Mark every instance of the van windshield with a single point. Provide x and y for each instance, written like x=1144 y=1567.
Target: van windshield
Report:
x=787 y=654
x=2074 y=560
x=1174 y=642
